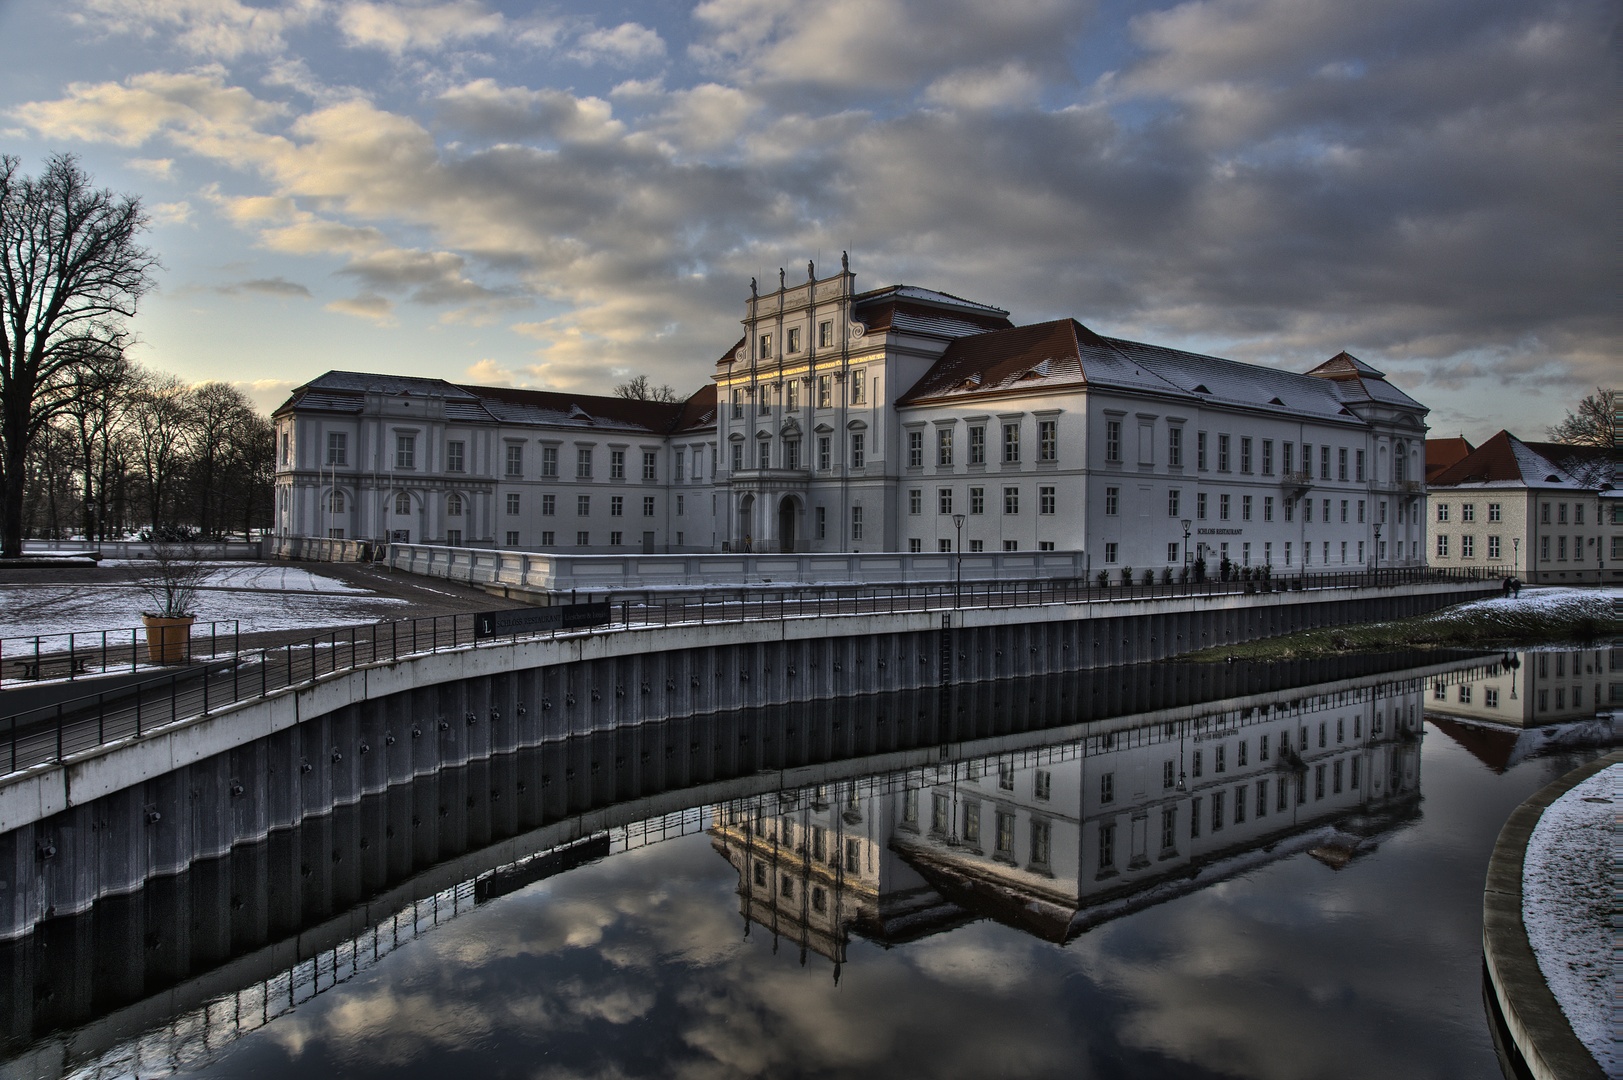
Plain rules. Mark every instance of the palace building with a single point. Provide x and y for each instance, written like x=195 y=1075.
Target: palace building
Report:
x=899 y=419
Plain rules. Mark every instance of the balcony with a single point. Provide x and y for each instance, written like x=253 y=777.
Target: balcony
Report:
x=1296 y=481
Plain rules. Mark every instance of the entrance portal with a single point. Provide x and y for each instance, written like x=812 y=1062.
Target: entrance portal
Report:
x=786 y=524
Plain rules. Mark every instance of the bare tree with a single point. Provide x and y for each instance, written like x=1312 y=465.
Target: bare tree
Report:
x=639 y=389
x=1594 y=424
x=70 y=274
x=221 y=417
x=162 y=423
x=94 y=421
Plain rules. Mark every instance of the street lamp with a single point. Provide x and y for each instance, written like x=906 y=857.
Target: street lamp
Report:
x=1377 y=545
x=1516 y=567
x=1186 y=523
x=958 y=583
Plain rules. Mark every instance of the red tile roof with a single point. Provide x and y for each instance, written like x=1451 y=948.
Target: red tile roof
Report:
x=1441 y=453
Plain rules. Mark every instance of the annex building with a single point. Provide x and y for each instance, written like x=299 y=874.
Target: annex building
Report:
x=900 y=419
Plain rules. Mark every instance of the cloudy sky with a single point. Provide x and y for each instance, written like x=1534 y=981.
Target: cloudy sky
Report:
x=559 y=196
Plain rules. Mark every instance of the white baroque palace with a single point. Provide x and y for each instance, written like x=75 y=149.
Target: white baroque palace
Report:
x=899 y=419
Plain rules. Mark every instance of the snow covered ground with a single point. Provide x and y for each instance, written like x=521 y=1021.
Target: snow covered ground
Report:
x=263 y=596
x=1568 y=910
x=1539 y=601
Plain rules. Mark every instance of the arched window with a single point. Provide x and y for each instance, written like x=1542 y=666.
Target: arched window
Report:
x=335 y=502
x=402 y=504
x=453 y=506
x=1399 y=457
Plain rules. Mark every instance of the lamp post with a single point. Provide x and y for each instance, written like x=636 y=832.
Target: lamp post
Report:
x=1377 y=545
x=1185 y=523
x=1516 y=546
x=958 y=576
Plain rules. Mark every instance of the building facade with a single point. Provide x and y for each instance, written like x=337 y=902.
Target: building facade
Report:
x=1548 y=686
x=1548 y=513
x=898 y=419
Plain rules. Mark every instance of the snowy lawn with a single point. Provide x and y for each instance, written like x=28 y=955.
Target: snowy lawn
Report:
x=262 y=597
x=1567 y=905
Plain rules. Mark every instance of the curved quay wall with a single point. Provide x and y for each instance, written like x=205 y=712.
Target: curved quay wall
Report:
x=105 y=822
x=1538 y=1027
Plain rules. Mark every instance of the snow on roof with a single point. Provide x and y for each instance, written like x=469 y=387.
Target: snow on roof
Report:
x=929 y=296
x=1505 y=460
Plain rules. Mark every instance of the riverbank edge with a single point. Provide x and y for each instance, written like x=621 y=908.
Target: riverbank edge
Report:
x=1538 y=1028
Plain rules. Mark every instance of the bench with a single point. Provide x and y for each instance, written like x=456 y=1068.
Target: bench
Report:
x=77 y=665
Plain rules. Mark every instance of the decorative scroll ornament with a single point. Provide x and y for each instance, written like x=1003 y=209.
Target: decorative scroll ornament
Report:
x=858 y=329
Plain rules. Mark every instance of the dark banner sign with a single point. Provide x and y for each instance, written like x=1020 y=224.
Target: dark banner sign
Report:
x=530 y=620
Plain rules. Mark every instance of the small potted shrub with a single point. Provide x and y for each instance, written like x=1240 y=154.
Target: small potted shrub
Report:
x=1104 y=579
x=172 y=585
x=1127 y=575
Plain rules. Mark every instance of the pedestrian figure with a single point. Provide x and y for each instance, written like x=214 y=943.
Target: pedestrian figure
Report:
x=1516 y=587
x=1507 y=588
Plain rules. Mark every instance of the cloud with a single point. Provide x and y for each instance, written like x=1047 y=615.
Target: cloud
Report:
x=1006 y=87
x=369 y=306
x=486 y=108
x=626 y=44
x=278 y=287
x=216 y=29
x=489 y=373
x=401 y=28
x=157 y=168
x=170 y=213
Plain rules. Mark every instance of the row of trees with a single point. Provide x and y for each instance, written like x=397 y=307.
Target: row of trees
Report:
x=137 y=449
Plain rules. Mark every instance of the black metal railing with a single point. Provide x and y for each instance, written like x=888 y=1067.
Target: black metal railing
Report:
x=89 y=653
x=51 y=733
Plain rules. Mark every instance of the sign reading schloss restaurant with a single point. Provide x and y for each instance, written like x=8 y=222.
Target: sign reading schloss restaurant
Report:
x=529 y=620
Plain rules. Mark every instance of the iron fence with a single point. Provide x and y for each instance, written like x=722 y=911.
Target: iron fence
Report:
x=51 y=733
x=89 y=653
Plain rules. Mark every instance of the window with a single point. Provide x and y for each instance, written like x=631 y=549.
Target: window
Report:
x=1200 y=451
x=766 y=345
x=1324 y=463
x=791 y=397
x=1223 y=507
x=1287 y=457
x=794 y=339
x=1107 y=788
x=858 y=457
x=763 y=454
x=1245 y=454
x=1219 y=758
x=1544 y=548
x=405 y=451
x=1174 y=497
x=337 y=448
x=1561 y=548
x=650 y=465
x=1442 y=546
x=1493 y=547
x=1358 y=473
x=1360 y=511
x=1561 y=513
x=1222 y=453
x=515 y=461
x=681 y=507
x=977 y=500
x=859 y=384
x=1169 y=821
x=1045 y=500
x=824 y=453
x=1195 y=760
x=1194 y=818
x=616 y=539
x=549 y=505
x=583 y=539
x=1048 y=440
x=335 y=503
x=647 y=506
x=1042 y=785
x=738 y=403
x=1168 y=773
x=791 y=453
x=944 y=500
x=1467 y=547
x=1039 y=843
x=549 y=461
x=853 y=856
x=856 y=523
x=977 y=445
x=1493 y=511
x=977 y=545
x=1107 y=847
x=825 y=334
x=1110 y=553
x=943 y=446
x=512 y=503
x=943 y=546
x=583 y=462
x=1245 y=508
x=1578 y=513
x=822 y=523
x=1011 y=500
x=286 y=448
x=1344 y=511
x=738 y=457
x=1112 y=440
x=548 y=539
x=512 y=538
x=1490 y=697
x=1172 y=552
x=1544 y=513
x=1112 y=501
x=1175 y=447
x=1011 y=443
x=1217 y=810
x=1011 y=545
x=1341 y=464
x=583 y=505
x=825 y=392
x=454 y=456
x=915 y=449
x=915 y=501
x=1200 y=505
x=1267 y=508
x=453 y=505
x=1307 y=510
x=1267 y=457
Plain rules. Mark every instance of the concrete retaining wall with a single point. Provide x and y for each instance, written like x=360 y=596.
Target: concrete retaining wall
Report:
x=106 y=821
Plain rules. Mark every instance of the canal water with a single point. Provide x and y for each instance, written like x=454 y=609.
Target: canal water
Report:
x=1273 y=885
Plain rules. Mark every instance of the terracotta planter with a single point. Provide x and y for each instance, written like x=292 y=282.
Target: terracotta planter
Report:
x=168 y=639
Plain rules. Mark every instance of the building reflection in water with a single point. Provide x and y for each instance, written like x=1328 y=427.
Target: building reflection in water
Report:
x=1056 y=839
